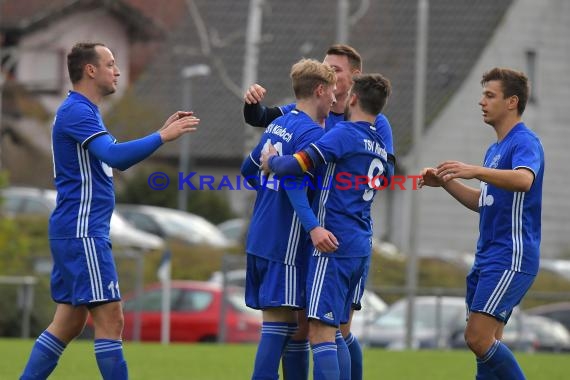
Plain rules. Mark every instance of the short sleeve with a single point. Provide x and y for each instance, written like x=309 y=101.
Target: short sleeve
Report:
x=82 y=123
x=384 y=130
x=335 y=144
x=527 y=153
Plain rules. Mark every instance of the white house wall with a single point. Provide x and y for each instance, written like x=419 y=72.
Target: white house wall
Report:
x=94 y=26
x=460 y=134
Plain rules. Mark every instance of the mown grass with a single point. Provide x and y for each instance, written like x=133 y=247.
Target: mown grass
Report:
x=213 y=362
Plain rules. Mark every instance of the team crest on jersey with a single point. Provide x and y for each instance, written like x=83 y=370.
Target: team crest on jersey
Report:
x=495 y=162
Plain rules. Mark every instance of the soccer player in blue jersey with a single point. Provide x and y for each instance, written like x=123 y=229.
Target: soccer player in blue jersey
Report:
x=356 y=160
x=275 y=275
x=346 y=62
x=509 y=202
x=84 y=279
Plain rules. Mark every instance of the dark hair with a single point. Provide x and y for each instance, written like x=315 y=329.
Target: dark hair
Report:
x=349 y=52
x=513 y=83
x=81 y=54
x=372 y=90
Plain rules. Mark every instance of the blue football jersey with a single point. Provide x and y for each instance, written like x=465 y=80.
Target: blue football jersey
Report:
x=84 y=184
x=383 y=127
x=275 y=231
x=355 y=158
x=510 y=222
x=384 y=130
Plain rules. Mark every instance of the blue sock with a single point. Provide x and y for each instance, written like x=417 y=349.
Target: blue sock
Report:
x=274 y=337
x=44 y=357
x=109 y=355
x=484 y=372
x=355 y=357
x=325 y=361
x=296 y=360
x=502 y=363
x=343 y=356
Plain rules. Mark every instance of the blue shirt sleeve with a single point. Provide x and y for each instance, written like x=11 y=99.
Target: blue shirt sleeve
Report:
x=82 y=122
x=298 y=197
x=123 y=155
x=527 y=154
x=250 y=168
x=335 y=144
x=384 y=130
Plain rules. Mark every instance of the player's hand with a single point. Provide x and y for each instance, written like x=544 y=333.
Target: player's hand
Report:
x=449 y=170
x=266 y=154
x=179 y=127
x=175 y=116
x=429 y=178
x=254 y=94
x=323 y=240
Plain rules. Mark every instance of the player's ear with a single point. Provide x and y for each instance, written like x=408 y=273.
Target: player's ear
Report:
x=89 y=70
x=353 y=98
x=319 y=90
x=512 y=102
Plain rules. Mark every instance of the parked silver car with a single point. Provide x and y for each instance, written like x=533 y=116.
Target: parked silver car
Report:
x=34 y=201
x=171 y=223
x=435 y=320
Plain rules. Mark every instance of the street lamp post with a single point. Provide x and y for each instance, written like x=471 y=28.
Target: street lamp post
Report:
x=187 y=74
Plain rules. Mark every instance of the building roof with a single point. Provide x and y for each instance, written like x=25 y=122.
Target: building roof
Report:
x=214 y=33
x=17 y=16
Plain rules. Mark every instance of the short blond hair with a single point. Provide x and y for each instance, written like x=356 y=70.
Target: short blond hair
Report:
x=307 y=74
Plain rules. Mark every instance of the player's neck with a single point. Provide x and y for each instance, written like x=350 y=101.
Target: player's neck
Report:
x=308 y=107
x=357 y=114
x=89 y=92
x=504 y=126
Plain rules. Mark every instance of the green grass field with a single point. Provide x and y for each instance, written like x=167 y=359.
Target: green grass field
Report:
x=213 y=362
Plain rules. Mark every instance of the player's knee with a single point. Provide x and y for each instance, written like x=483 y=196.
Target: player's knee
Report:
x=345 y=330
x=108 y=321
x=111 y=328
x=477 y=343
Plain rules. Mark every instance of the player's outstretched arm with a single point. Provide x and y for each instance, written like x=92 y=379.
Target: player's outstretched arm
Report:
x=321 y=238
x=254 y=94
x=124 y=155
x=254 y=113
x=295 y=164
x=467 y=196
x=176 y=126
x=519 y=179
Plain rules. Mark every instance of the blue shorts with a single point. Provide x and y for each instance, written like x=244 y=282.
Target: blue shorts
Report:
x=83 y=271
x=496 y=292
x=271 y=284
x=356 y=300
x=331 y=286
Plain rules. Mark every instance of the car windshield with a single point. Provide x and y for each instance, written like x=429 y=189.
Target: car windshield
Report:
x=150 y=301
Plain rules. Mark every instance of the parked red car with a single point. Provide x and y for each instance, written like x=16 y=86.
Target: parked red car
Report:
x=194 y=315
